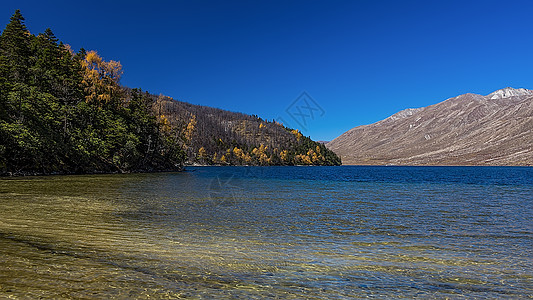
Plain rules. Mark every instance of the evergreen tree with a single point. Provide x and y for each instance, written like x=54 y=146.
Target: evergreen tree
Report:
x=4 y=88
x=46 y=67
x=15 y=47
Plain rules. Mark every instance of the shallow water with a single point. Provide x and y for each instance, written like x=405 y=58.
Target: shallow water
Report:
x=270 y=232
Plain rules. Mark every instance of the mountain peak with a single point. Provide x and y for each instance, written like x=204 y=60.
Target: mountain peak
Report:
x=509 y=92
x=469 y=129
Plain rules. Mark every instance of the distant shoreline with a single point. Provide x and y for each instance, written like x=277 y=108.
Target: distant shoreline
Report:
x=431 y=165
x=28 y=174
x=184 y=169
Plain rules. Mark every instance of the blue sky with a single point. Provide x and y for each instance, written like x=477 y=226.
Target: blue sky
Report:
x=360 y=61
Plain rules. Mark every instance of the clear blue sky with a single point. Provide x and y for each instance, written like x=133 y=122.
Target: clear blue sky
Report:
x=360 y=60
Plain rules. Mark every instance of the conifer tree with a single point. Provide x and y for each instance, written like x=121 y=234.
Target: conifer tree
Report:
x=15 y=47
x=46 y=66
x=4 y=88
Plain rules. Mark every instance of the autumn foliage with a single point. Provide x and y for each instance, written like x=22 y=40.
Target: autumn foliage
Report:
x=66 y=112
x=214 y=136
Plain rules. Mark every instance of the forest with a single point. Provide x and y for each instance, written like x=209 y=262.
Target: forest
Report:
x=65 y=112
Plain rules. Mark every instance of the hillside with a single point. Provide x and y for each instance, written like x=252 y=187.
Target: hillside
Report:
x=469 y=129
x=216 y=136
x=66 y=112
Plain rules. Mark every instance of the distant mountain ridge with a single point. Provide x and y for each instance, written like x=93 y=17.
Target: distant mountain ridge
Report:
x=469 y=129
x=221 y=137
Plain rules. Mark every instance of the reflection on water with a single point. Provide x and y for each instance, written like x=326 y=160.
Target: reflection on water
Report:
x=252 y=232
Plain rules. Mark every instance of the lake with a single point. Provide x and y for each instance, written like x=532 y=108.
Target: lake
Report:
x=270 y=232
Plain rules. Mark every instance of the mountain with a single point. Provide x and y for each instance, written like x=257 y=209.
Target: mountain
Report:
x=469 y=129
x=216 y=136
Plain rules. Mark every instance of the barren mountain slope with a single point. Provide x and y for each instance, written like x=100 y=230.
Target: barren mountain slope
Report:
x=470 y=129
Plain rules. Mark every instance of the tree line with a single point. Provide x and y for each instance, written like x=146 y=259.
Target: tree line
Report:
x=65 y=112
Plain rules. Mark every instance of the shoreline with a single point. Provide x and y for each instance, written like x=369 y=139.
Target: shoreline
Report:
x=28 y=174
x=431 y=165
x=184 y=169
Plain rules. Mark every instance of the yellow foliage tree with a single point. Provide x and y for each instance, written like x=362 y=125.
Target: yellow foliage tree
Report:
x=202 y=154
x=284 y=155
x=312 y=155
x=264 y=159
x=262 y=149
x=100 y=78
x=297 y=134
x=229 y=155
x=165 y=124
x=190 y=128
x=239 y=154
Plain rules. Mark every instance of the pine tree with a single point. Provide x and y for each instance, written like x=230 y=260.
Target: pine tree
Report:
x=4 y=88
x=46 y=67
x=15 y=47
